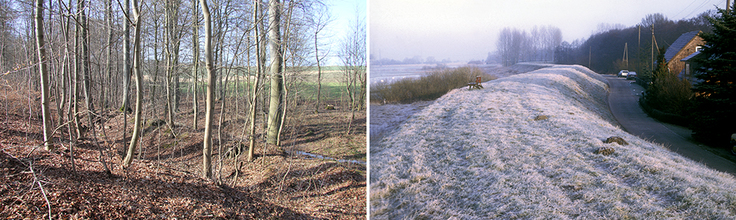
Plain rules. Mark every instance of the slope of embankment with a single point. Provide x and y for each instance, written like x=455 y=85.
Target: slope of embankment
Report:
x=530 y=145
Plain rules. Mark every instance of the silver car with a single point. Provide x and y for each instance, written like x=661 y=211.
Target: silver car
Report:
x=623 y=73
x=631 y=75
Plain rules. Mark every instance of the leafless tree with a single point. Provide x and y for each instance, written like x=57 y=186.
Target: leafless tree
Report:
x=259 y=36
x=207 y=148
x=277 y=86
x=353 y=58
x=47 y=135
x=195 y=60
x=320 y=19
x=137 y=59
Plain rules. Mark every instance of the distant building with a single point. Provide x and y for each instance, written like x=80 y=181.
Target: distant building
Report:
x=685 y=45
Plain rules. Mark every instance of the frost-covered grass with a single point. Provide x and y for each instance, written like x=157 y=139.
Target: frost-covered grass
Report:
x=480 y=154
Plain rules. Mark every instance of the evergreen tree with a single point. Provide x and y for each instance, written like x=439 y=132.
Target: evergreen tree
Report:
x=666 y=92
x=660 y=70
x=714 y=112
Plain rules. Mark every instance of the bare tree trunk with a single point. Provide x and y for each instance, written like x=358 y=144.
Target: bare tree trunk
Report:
x=207 y=148
x=77 y=70
x=322 y=18
x=285 y=91
x=195 y=60
x=172 y=59
x=138 y=85
x=126 y=67
x=108 y=62
x=85 y=61
x=259 y=69
x=274 y=39
x=319 y=73
x=47 y=135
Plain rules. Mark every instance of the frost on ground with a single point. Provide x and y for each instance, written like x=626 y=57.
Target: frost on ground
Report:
x=479 y=154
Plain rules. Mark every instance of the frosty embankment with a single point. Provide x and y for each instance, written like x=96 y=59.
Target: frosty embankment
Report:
x=479 y=154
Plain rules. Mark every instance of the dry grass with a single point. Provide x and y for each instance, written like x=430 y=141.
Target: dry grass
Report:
x=428 y=87
x=481 y=155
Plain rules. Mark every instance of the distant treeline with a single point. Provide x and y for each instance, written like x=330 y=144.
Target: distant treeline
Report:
x=604 y=50
x=514 y=45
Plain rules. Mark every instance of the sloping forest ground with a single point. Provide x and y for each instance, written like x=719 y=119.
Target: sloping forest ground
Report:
x=165 y=179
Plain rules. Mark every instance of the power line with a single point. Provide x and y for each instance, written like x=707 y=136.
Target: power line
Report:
x=686 y=7
x=699 y=7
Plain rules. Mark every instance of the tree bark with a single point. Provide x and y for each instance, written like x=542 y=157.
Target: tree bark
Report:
x=47 y=135
x=108 y=62
x=126 y=67
x=195 y=60
x=274 y=46
x=207 y=148
x=85 y=62
x=138 y=85
x=259 y=69
x=172 y=58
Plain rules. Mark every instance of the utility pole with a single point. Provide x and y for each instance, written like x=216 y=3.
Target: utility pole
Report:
x=652 y=47
x=728 y=6
x=626 y=55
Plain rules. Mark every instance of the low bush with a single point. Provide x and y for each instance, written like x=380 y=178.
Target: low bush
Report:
x=670 y=94
x=428 y=87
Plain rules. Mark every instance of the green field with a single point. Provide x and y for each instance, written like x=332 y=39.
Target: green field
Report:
x=305 y=86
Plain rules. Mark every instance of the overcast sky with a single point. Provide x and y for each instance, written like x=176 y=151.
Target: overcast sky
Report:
x=468 y=29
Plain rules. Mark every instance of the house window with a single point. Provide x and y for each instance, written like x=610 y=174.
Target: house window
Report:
x=698 y=48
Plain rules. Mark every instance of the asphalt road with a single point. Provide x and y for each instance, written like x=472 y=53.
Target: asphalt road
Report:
x=623 y=102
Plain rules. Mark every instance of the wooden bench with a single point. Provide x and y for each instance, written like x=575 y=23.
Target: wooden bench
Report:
x=477 y=84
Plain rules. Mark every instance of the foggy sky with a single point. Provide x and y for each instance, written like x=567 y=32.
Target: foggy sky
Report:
x=468 y=29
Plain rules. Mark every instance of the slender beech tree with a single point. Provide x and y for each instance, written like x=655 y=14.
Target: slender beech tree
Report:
x=259 y=69
x=277 y=86
x=108 y=63
x=173 y=36
x=207 y=148
x=48 y=140
x=126 y=66
x=353 y=58
x=320 y=20
x=137 y=59
x=85 y=61
x=195 y=60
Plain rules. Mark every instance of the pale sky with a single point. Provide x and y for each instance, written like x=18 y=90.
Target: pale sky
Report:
x=468 y=29
x=344 y=13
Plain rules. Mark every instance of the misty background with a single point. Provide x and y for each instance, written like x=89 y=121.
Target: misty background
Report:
x=468 y=30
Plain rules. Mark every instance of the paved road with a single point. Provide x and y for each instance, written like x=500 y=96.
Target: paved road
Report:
x=623 y=101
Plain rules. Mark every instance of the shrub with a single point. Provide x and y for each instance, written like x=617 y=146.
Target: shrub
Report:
x=428 y=87
x=670 y=94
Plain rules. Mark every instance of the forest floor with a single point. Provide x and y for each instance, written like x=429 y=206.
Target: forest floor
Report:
x=165 y=180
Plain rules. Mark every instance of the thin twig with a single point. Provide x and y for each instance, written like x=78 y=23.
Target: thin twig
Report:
x=35 y=179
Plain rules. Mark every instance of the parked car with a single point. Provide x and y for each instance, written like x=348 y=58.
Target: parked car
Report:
x=631 y=75
x=623 y=73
